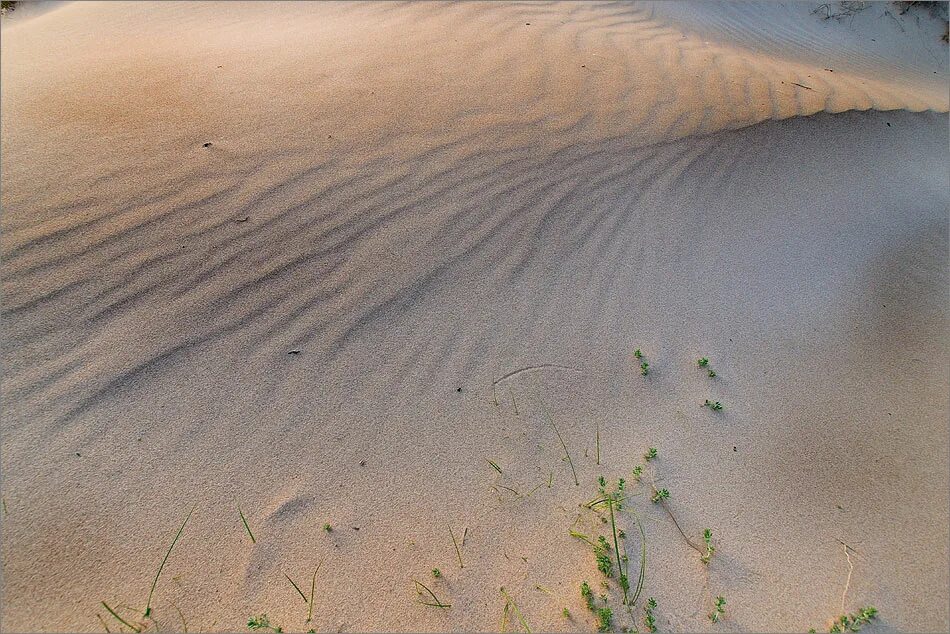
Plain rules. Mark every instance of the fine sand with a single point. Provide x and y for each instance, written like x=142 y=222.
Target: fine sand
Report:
x=324 y=262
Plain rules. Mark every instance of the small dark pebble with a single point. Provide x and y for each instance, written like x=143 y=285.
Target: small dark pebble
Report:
x=362 y=463
x=77 y=453
x=244 y=219
x=356 y=528
x=888 y=124
x=458 y=389
x=293 y=352
x=734 y=449
x=527 y=24
x=207 y=144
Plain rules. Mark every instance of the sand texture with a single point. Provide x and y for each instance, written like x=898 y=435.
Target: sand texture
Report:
x=324 y=262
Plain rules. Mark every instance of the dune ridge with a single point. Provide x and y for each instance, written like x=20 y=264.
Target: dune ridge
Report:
x=284 y=253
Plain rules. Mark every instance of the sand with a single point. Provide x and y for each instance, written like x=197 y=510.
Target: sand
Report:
x=281 y=256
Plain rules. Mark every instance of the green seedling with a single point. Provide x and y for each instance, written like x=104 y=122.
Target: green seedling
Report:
x=436 y=602
x=662 y=494
x=637 y=353
x=716 y=406
x=649 y=621
x=644 y=368
x=602 y=553
x=712 y=374
x=566 y=613
x=436 y=573
x=703 y=362
x=588 y=596
x=649 y=455
x=854 y=622
x=605 y=619
x=637 y=472
x=512 y=607
x=710 y=549
x=328 y=528
x=120 y=619
x=148 y=603
x=719 y=610
x=246 y=527
x=261 y=622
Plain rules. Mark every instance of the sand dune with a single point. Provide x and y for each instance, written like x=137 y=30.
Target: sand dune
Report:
x=282 y=255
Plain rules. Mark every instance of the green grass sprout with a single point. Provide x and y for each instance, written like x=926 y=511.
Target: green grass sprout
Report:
x=148 y=603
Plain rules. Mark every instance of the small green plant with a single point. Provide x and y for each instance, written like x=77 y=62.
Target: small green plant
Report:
x=602 y=553
x=854 y=622
x=566 y=613
x=436 y=573
x=328 y=528
x=588 y=596
x=649 y=621
x=661 y=494
x=649 y=455
x=710 y=549
x=644 y=368
x=637 y=353
x=605 y=619
x=637 y=472
x=703 y=362
x=261 y=622
x=719 y=610
x=712 y=374
x=716 y=406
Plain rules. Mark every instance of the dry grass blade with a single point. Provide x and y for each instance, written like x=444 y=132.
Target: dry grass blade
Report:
x=438 y=602
x=120 y=619
x=458 y=552
x=297 y=588
x=510 y=604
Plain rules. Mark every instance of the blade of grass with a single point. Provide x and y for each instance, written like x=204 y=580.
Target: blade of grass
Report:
x=567 y=453
x=246 y=527
x=494 y=466
x=643 y=560
x=514 y=607
x=438 y=602
x=458 y=552
x=299 y=591
x=120 y=619
x=598 y=442
x=104 y=624
x=613 y=528
x=148 y=604
x=313 y=584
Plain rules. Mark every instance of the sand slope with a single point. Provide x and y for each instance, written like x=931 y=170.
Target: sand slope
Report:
x=422 y=198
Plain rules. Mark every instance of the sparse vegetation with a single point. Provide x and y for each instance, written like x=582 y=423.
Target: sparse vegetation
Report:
x=120 y=619
x=644 y=368
x=703 y=362
x=660 y=494
x=637 y=353
x=436 y=573
x=605 y=619
x=710 y=549
x=854 y=622
x=261 y=622
x=588 y=596
x=328 y=528
x=648 y=456
x=715 y=406
x=719 y=610
x=649 y=621
x=246 y=526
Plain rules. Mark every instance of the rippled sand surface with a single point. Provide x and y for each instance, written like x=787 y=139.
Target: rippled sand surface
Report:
x=324 y=261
